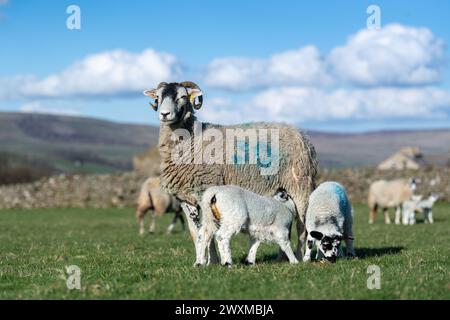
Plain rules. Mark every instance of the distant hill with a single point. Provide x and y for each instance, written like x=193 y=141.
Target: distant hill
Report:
x=72 y=144
x=77 y=144
x=365 y=149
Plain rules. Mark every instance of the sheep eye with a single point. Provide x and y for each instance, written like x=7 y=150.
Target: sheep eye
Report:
x=181 y=99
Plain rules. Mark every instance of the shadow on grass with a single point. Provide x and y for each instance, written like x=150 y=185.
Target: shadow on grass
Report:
x=362 y=253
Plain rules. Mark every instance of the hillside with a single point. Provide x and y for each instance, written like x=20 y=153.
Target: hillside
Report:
x=72 y=144
x=364 y=149
x=77 y=144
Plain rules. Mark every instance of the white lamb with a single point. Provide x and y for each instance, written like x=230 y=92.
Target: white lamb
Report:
x=417 y=205
x=409 y=209
x=227 y=210
x=329 y=220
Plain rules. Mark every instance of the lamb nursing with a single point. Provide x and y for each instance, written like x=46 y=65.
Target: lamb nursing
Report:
x=228 y=210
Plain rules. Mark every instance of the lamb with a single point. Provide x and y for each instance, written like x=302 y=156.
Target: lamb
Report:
x=227 y=210
x=329 y=220
x=409 y=208
x=426 y=207
x=152 y=197
x=297 y=164
x=389 y=194
x=423 y=206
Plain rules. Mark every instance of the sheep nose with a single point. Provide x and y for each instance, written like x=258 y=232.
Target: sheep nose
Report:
x=165 y=114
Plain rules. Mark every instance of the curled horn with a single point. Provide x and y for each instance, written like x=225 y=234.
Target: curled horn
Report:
x=155 y=105
x=192 y=85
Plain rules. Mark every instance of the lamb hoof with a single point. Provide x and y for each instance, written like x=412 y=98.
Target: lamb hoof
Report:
x=227 y=264
x=249 y=263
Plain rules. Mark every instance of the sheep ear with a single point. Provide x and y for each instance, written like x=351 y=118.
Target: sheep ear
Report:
x=194 y=93
x=151 y=93
x=316 y=235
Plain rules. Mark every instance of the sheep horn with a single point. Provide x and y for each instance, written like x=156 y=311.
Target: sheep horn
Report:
x=192 y=85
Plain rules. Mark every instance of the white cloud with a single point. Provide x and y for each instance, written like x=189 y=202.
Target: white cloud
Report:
x=107 y=74
x=303 y=66
x=38 y=107
x=299 y=105
x=393 y=55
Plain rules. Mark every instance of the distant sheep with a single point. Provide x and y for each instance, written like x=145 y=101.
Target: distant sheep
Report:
x=329 y=220
x=389 y=194
x=417 y=205
x=409 y=209
x=152 y=197
x=227 y=210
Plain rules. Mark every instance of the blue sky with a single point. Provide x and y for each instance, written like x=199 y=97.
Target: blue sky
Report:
x=255 y=60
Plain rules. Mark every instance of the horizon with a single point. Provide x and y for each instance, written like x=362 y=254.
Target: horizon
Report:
x=374 y=131
x=327 y=72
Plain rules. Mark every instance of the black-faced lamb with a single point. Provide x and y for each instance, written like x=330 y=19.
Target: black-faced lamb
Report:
x=228 y=210
x=329 y=220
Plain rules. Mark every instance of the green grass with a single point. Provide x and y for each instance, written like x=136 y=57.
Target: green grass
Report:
x=37 y=245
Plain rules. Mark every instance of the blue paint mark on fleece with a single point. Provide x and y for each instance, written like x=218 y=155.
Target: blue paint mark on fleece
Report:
x=339 y=191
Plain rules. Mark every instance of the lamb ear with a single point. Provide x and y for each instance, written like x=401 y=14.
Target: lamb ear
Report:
x=316 y=235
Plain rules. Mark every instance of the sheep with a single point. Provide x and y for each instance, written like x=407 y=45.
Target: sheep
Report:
x=329 y=220
x=419 y=205
x=152 y=197
x=389 y=194
x=227 y=210
x=409 y=208
x=176 y=104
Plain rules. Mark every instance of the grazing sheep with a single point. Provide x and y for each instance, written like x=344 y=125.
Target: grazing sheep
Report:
x=228 y=210
x=423 y=206
x=409 y=208
x=389 y=194
x=329 y=220
x=152 y=197
x=297 y=167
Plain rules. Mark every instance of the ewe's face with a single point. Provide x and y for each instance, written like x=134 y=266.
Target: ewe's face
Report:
x=328 y=245
x=172 y=102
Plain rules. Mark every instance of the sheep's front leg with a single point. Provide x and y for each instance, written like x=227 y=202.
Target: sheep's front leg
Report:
x=309 y=246
x=397 y=214
x=301 y=234
x=251 y=257
x=405 y=216
x=203 y=239
x=193 y=219
x=387 y=219
x=172 y=224
x=152 y=226
x=430 y=215
x=349 y=249
x=140 y=214
x=412 y=217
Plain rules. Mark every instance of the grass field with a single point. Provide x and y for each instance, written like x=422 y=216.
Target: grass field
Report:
x=37 y=245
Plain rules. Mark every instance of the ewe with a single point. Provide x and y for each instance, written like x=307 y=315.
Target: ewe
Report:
x=389 y=194
x=296 y=165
